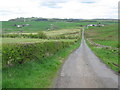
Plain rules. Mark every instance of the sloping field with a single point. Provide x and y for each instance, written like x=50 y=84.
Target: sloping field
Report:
x=31 y=40
x=35 y=61
x=107 y=35
x=54 y=34
x=104 y=42
x=34 y=26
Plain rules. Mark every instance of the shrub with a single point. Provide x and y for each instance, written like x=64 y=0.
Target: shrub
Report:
x=19 y=53
x=40 y=35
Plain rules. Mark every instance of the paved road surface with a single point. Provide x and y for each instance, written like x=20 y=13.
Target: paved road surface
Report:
x=85 y=70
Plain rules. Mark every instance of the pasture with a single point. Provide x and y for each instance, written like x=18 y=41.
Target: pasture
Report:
x=36 y=60
x=35 y=26
x=32 y=40
x=107 y=35
x=104 y=42
x=54 y=34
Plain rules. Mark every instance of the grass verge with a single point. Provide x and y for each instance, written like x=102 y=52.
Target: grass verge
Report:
x=108 y=56
x=104 y=43
x=35 y=74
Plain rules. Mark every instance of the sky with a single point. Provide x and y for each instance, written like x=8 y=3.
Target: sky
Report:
x=78 y=9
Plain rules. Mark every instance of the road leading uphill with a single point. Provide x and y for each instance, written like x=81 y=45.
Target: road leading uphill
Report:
x=83 y=69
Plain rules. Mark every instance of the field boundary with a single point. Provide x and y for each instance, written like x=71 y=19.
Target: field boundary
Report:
x=99 y=45
x=103 y=56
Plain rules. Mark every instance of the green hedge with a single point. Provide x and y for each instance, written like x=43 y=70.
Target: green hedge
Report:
x=19 y=53
x=40 y=35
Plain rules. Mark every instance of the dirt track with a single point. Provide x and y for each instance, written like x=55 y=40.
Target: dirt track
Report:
x=85 y=70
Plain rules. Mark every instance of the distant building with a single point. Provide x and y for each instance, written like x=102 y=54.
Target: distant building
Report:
x=91 y=25
x=99 y=25
x=21 y=25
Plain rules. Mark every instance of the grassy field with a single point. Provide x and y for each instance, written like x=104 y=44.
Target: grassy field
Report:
x=54 y=34
x=35 y=26
x=107 y=35
x=106 y=44
x=62 y=31
x=34 y=74
x=31 y=40
x=39 y=73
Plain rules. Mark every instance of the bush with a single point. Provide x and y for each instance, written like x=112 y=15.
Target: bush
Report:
x=19 y=53
x=40 y=35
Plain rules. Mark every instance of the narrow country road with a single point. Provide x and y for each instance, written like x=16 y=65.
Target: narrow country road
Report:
x=83 y=69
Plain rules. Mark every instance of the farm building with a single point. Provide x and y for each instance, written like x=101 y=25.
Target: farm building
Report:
x=99 y=25
x=21 y=25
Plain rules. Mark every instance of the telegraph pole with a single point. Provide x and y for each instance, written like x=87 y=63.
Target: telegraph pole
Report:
x=24 y=19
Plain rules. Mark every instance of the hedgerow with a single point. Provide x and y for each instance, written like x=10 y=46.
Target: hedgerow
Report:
x=19 y=53
x=40 y=35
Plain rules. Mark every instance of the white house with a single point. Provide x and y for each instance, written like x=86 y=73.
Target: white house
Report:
x=95 y=25
x=19 y=26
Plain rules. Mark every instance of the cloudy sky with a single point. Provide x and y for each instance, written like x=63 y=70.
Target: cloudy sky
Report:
x=81 y=9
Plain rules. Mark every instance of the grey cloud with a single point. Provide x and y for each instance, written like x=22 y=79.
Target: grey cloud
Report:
x=50 y=5
x=53 y=4
x=88 y=2
x=5 y=12
x=8 y=12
